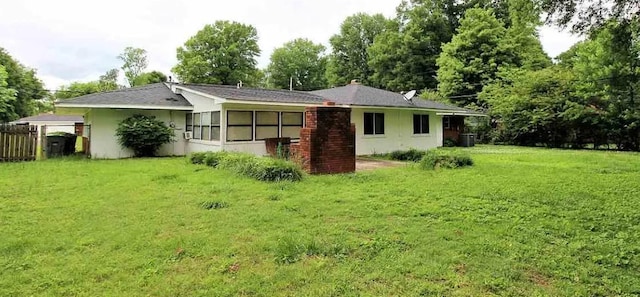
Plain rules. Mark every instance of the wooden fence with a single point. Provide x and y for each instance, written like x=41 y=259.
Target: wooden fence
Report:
x=18 y=143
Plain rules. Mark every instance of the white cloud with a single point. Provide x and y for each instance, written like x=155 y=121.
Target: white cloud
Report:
x=70 y=40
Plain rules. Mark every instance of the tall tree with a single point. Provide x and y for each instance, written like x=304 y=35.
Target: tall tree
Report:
x=473 y=57
x=522 y=35
x=301 y=62
x=150 y=78
x=106 y=82
x=350 y=56
x=7 y=99
x=222 y=53
x=24 y=81
x=135 y=62
x=585 y=15
x=405 y=58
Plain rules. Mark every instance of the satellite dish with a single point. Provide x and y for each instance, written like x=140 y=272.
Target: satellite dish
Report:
x=409 y=95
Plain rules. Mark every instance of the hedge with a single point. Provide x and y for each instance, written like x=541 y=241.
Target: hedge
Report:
x=260 y=168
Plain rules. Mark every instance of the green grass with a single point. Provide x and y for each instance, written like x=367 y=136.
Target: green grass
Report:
x=520 y=222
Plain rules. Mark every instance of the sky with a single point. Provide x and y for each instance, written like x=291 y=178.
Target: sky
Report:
x=79 y=40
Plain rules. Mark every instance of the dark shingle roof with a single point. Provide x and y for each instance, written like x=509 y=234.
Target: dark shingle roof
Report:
x=251 y=94
x=158 y=95
x=359 y=95
x=46 y=117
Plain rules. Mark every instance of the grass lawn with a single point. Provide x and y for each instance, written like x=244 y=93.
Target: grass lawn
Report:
x=521 y=222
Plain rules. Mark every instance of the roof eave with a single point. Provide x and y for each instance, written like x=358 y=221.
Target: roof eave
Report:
x=123 y=106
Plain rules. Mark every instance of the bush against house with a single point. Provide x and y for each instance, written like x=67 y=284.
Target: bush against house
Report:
x=143 y=134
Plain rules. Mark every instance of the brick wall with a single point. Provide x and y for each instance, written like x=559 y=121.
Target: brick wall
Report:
x=327 y=142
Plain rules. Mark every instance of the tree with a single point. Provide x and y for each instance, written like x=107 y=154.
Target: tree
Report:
x=150 y=78
x=135 y=61
x=7 y=99
x=24 y=81
x=586 y=15
x=301 y=61
x=222 y=53
x=473 y=57
x=143 y=134
x=404 y=58
x=106 y=82
x=350 y=57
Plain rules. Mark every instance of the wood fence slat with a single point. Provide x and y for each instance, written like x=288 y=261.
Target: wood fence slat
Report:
x=18 y=142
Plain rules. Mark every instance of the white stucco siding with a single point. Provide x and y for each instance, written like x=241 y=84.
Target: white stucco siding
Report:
x=104 y=122
x=398 y=131
x=201 y=103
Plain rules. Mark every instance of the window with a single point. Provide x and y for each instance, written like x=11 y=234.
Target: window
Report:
x=292 y=122
x=267 y=123
x=239 y=125
x=373 y=123
x=420 y=124
x=204 y=125
x=447 y=122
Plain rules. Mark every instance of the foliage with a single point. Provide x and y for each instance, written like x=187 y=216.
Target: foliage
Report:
x=135 y=62
x=589 y=98
x=586 y=15
x=25 y=83
x=300 y=60
x=404 y=57
x=349 y=59
x=143 y=134
x=7 y=99
x=520 y=222
x=450 y=159
x=221 y=53
x=106 y=82
x=152 y=77
x=409 y=155
x=473 y=57
x=259 y=168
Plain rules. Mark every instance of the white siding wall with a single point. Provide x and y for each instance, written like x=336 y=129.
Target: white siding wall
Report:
x=398 y=132
x=104 y=122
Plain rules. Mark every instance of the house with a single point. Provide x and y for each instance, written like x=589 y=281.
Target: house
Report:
x=235 y=118
x=53 y=122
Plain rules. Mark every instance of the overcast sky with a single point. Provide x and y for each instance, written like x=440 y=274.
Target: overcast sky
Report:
x=78 y=40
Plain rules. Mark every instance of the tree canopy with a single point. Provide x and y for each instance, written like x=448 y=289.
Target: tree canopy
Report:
x=350 y=56
x=106 y=82
x=23 y=80
x=300 y=60
x=7 y=99
x=221 y=53
x=150 y=78
x=135 y=62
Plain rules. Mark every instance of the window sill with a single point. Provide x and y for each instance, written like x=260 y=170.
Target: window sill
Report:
x=421 y=135
x=200 y=141
x=374 y=136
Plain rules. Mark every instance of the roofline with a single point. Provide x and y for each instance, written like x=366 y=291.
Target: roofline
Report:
x=469 y=114
x=272 y=103
x=186 y=88
x=124 y=106
x=460 y=112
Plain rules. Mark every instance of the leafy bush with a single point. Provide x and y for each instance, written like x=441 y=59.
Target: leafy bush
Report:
x=410 y=155
x=197 y=158
x=450 y=142
x=260 y=168
x=445 y=159
x=143 y=134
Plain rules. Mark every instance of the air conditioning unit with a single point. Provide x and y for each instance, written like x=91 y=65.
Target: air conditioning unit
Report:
x=188 y=135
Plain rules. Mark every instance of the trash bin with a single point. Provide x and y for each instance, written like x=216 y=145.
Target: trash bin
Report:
x=61 y=145
x=467 y=139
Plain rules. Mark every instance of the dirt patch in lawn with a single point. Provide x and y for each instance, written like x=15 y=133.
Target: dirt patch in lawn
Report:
x=363 y=163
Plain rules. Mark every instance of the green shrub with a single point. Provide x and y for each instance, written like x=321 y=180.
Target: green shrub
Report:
x=197 y=158
x=410 y=155
x=143 y=134
x=445 y=159
x=260 y=168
